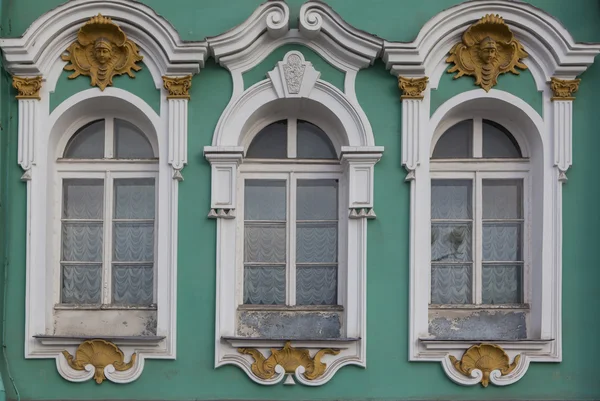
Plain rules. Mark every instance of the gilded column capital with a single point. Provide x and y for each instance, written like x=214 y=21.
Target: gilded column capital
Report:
x=178 y=87
x=28 y=87
x=563 y=89
x=412 y=88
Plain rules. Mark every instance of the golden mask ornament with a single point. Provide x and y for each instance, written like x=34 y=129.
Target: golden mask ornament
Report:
x=412 y=88
x=563 y=89
x=100 y=354
x=289 y=358
x=487 y=358
x=178 y=87
x=102 y=51
x=488 y=49
x=28 y=87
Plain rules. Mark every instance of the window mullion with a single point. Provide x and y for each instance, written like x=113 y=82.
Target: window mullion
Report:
x=292 y=141
x=478 y=234
x=477 y=137
x=107 y=242
x=291 y=243
x=109 y=135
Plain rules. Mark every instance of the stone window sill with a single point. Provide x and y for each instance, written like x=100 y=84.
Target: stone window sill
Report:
x=103 y=307
x=46 y=339
x=434 y=344
x=260 y=342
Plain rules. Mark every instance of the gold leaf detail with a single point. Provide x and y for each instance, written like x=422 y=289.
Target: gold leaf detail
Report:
x=487 y=358
x=28 y=87
x=102 y=51
x=289 y=358
x=99 y=353
x=563 y=89
x=412 y=88
x=178 y=87
x=488 y=49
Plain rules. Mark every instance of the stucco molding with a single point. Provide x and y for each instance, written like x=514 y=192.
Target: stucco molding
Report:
x=335 y=112
x=552 y=50
x=37 y=51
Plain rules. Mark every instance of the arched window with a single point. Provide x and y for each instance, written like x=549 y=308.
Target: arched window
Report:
x=291 y=217
x=478 y=218
x=108 y=174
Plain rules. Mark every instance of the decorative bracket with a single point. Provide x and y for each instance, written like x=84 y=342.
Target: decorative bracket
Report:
x=223 y=163
x=412 y=121
x=488 y=49
x=177 y=98
x=28 y=96
x=294 y=76
x=562 y=105
x=484 y=363
x=102 y=51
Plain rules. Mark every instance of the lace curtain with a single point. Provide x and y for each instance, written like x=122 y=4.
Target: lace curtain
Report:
x=132 y=242
x=452 y=242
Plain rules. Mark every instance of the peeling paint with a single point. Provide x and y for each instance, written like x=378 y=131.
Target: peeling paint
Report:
x=76 y=322
x=478 y=325
x=289 y=324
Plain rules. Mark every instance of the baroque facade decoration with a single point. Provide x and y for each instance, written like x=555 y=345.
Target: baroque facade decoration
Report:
x=178 y=87
x=483 y=360
x=101 y=355
x=488 y=49
x=412 y=88
x=102 y=51
x=563 y=89
x=28 y=87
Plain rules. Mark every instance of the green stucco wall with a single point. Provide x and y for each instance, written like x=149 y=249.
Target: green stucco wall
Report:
x=389 y=375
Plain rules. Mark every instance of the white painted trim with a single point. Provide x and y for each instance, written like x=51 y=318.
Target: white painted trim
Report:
x=36 y=52
x=341 y=117
x=552 y=50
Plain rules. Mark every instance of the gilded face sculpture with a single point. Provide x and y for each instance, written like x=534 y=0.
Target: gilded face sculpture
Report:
x=102 y=51
x=488 y=50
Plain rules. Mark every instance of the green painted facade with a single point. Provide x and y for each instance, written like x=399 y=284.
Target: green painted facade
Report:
x=389 y=375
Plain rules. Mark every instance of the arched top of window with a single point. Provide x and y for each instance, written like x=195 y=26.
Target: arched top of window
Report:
x=109 y=139
x=476 y=139
x=308 y=140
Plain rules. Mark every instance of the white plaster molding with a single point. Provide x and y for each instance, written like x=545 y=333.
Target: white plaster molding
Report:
x=562 y=126
x=552 y=50
x=336 y=113
x=119 y=377
x=38 y=50
x=28 y=109
x=178 y=128
x=414 y=122
x=496 y=377
x=293 y=76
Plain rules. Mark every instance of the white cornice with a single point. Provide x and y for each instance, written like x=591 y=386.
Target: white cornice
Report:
x=166 y=54
x=552 y=50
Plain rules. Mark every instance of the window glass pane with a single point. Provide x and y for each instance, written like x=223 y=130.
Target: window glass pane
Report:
x=134 y=198
x=313 y=143
x=264 y=285
x=451 y=242
x=270 y=142
x=498 y=142
x=81 y=242
x=501 y=284
x=265 y=200
x=316 y=285
x=317 y=200
x=87 y=143
x=81 y=284
x=264 y=243
x=82 y=199
x=502 y=199
x=451 y=199
x=133 y=285
x=130 y=142
x=502 y=242
x=451 y=284
x=316 y=242
x=456 y=142
x=133 y=242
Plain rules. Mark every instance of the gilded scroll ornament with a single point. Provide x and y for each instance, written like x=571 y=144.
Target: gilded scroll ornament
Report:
x=488 y=49
x=98 y=353
x=102 y=51
x=28 y=87
x=178 y=87
x=563 y=89
x=289 y=358
x=412 y=88
x=487 y=358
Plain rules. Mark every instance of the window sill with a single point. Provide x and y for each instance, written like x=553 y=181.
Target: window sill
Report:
x=520 y=345
x=478 y=307
x=103 y=307
x=261 y=342
x=295 y=308
x=118 y=340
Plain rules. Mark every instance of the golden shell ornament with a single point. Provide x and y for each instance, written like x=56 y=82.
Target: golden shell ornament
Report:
x=289 y=358
x=99 y=354
x=102 y=51
x=486 y=358
x=488 y=49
